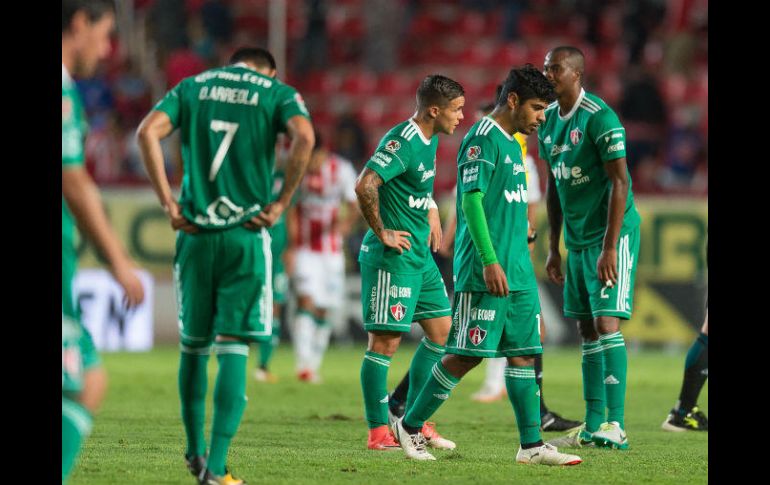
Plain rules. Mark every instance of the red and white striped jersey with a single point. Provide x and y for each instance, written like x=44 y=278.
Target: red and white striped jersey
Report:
x=318 y=202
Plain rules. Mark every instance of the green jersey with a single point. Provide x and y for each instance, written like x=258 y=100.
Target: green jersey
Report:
x=229 y=119
x=73 y=135
x=490 y=160
x=406 y=161
x=575 y=146
x=278 y=233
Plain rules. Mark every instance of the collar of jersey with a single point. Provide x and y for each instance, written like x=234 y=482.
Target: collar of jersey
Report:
x=244 y=65
x=419 y=132
x=489 y=117
x=574 y=108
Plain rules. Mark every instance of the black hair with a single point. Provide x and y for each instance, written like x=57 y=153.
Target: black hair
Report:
x=575 y=58
x=438 y=90
x=259 y=56
x=527 y=82
x=95 y=9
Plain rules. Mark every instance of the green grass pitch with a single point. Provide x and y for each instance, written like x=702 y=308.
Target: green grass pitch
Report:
x=303 y=433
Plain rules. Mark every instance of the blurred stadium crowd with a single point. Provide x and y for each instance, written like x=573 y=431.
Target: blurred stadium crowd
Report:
x=357 y=63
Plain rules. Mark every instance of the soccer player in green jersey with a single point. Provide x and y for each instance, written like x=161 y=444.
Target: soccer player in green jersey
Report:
x=86 y=29
x=496 y=307
x=400 y=282
x=229 y=119
x=589 y=189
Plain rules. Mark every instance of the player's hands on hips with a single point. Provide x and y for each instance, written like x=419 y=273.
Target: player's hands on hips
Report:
x=178 y=221
x=435 y=234
x=396 y=240
x=553 y=268
x=269 y=216
x=125 y=275
x=495 y=279
x=607 y=267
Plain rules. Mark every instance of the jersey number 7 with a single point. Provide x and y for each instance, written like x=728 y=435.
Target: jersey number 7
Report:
x=219 y=157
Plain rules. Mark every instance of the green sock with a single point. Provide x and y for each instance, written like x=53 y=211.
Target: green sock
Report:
x=435 y=391
x=266 y=348
x=374 y=383
x=76 y=425
x=524 y=395
x=229 y=401
x=593 y=384
x=426 y=356
x=615 y=369
x=193 y=384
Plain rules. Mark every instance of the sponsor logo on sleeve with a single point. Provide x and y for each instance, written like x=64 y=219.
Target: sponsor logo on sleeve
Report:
x=392 y=146
x=616 y=147
x=473 y=152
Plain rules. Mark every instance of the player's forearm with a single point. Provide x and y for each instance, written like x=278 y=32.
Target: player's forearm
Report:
x=152 y=129
x=555 y=216
x=368 y=193
x=154 y=164
x=615 y=212
x=85 y=203
x=476 y=220
x=299 y=157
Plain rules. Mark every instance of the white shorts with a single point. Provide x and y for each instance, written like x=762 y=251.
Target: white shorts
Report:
x=321 y=276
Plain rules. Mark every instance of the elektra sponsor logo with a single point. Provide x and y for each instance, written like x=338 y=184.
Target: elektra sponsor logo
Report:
x=616 y=147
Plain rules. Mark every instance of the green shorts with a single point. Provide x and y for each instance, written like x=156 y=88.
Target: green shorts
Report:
x=71 y=357
x=392 y=301
x=280 y=280
x=484 y=325
x=70 y=310
x=586 y=297
x=223 y=285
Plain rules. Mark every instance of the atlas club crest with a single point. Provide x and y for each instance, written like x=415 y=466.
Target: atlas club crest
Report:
x=398 y=311
x=575 y=136
x=477 y=335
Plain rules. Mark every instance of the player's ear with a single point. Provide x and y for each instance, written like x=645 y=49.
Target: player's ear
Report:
x=513 y=100
x=433 y=112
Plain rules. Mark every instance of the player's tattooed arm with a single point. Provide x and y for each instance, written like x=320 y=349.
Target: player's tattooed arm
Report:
x=368 y=193
x=555 y=217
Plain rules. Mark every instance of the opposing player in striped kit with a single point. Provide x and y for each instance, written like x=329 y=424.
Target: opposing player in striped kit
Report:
x=400 y=282
x=229 y=119
x=496 y=305
x=318 y=231
x=589 y=188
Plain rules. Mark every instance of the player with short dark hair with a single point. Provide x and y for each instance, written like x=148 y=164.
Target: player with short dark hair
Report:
x=496 y=310
x=589 y=189
x=400 y=282
x=229 y=119
x=86 y=29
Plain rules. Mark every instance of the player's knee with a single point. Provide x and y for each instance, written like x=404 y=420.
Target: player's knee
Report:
x=522 y=361
x=605 y=325
x=230 y=338
x=587 y=330
x=459 y=365
x=385 y=343
x=94 y=389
